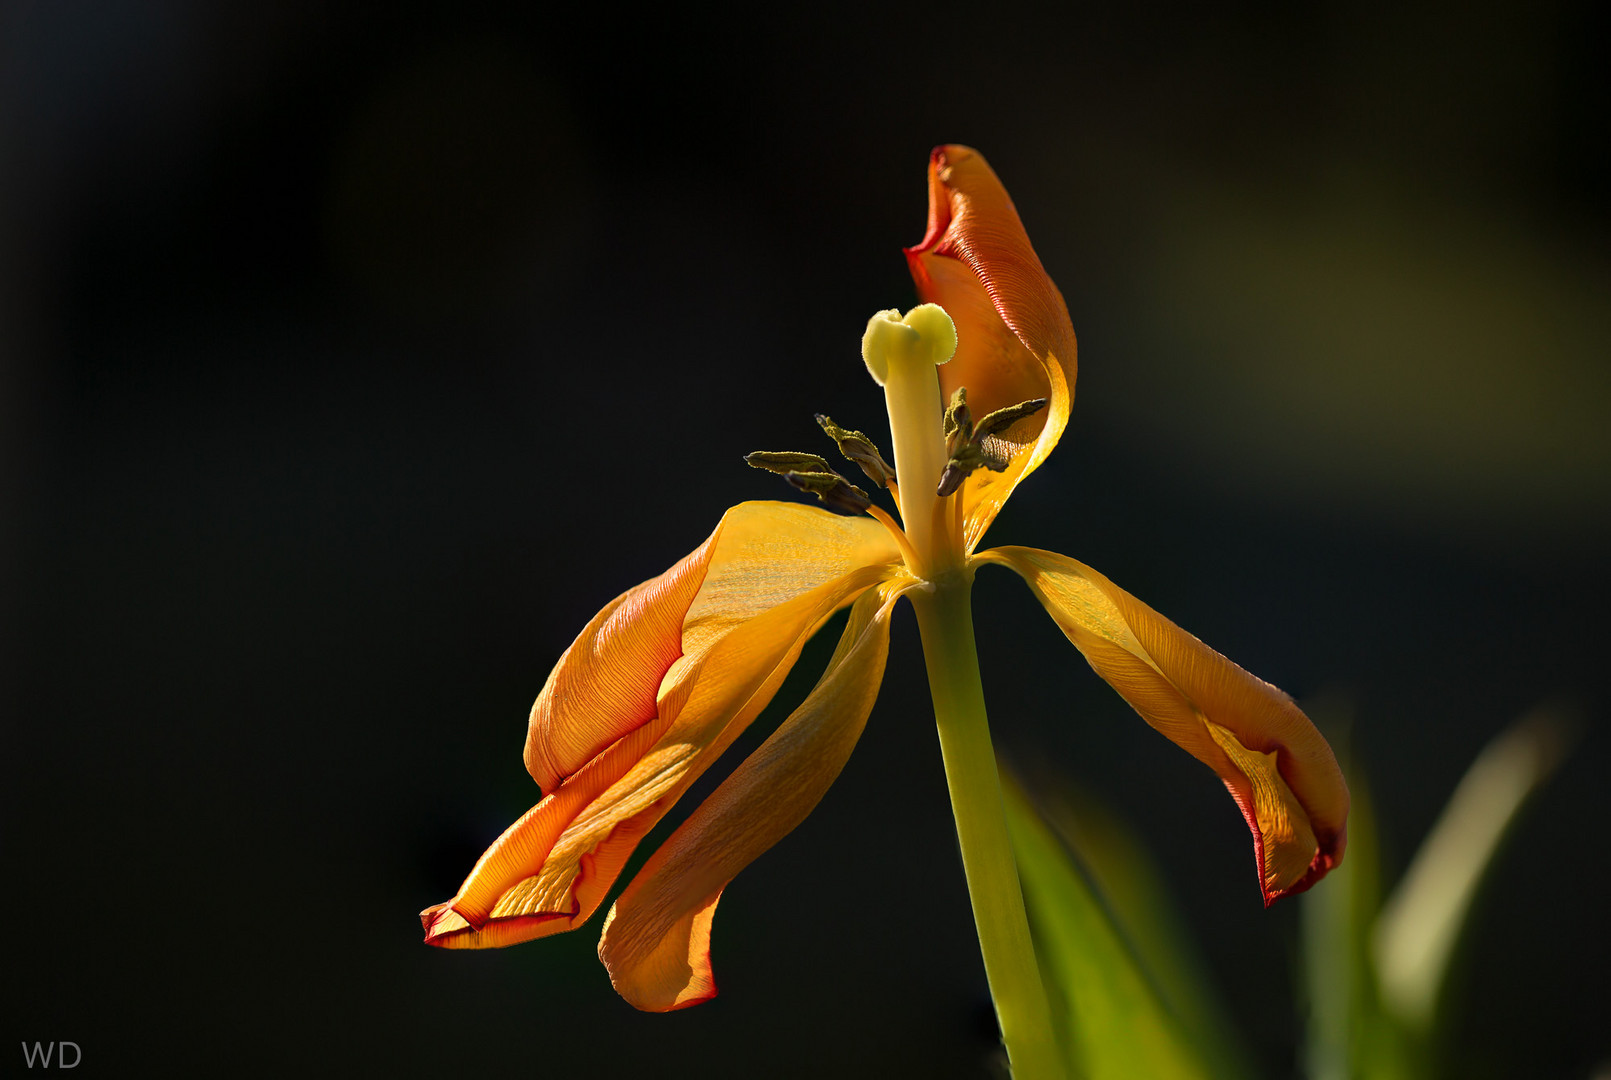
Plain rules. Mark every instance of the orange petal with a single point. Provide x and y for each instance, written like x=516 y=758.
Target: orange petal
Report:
x=770 y=574
x=1014 y=338
x=656 y=941
x=508 y=897
x=1278 y=768
x=726 y=691
x=605 y=684
x=521 y=915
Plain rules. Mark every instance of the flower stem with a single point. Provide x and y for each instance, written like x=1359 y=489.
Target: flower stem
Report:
x=945 y=618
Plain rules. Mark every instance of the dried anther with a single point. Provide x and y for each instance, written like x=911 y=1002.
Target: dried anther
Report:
x=958 y=421
x=967 y=458
x=965 y=441
x=860 y=449
x=786 y=461
x=1002 y=419
x=808 y=472
x=835 y=492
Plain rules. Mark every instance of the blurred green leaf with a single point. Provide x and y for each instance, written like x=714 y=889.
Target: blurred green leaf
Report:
x=1375 y=973
x=1421 y=924
x=1111 y=952
x=1348 y=1035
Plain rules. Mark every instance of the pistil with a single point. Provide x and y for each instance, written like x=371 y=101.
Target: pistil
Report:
x=902 y=353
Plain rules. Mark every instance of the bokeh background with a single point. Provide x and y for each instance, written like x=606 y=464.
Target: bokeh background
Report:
x=351 y=357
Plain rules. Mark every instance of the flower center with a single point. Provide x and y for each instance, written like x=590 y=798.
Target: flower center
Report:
x=935 y=448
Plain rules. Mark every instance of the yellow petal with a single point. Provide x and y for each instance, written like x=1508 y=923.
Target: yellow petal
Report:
x=611 y=678
x=656 y=941
x=726 y=691
x=1278 y=768
x=768 y=577
x=1014 y=338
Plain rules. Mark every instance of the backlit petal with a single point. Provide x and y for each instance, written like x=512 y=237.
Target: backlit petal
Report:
x=1278 y=768
x=1014 y=338
x=609 y=681
x=543 y=899
x=605 y=684
x=656 y=941
x=770 y=575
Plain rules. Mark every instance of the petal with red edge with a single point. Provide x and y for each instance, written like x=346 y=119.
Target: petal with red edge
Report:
x=1278 y=768
x=1014 y=338
x=771 y=574
x=729 y=688
x=656 y=941
x=506 y=914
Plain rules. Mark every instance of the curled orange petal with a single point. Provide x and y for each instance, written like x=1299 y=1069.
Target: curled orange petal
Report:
x=516 y=892
x=766 y=579
x=1277 y=767
x=605 y=684
x=656 y=941
x=1014 y=338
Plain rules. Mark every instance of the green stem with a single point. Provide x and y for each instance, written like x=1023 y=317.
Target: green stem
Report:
x=945 y=618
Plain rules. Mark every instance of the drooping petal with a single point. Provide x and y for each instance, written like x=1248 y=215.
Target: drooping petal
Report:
x=730 y=687
x=605 y=684
x=611 y=679
x=547 y=896
x=1014 y=338
x=656 y=941
x=1278 y=768
x=769 y=576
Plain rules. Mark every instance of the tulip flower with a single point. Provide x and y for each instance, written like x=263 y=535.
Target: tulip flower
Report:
x=978 y=383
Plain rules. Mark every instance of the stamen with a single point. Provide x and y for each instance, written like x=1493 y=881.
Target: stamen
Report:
x=835 y=492
x=786 y=461
x=860 y=449
x=808 y=472
x=1002 y=419
x=965 y=441
x=883 y=518
x=958 y=420
x=958 y=521
x=968 y=457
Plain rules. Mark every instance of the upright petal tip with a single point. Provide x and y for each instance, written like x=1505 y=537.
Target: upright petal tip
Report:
x=1015 y=342
x=940 y=160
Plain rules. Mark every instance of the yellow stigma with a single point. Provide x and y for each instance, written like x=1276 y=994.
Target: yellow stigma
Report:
x=925 y=333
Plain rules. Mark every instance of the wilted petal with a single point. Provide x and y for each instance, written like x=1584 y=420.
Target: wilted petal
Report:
x=729 y=688
x=605 y=684
x=611 y=679
x=545 y=899
x=1014 y=338
x=656 y=941
x=770 y=574
x=1278 y=768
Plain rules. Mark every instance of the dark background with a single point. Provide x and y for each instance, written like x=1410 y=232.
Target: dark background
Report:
x=350 y=360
